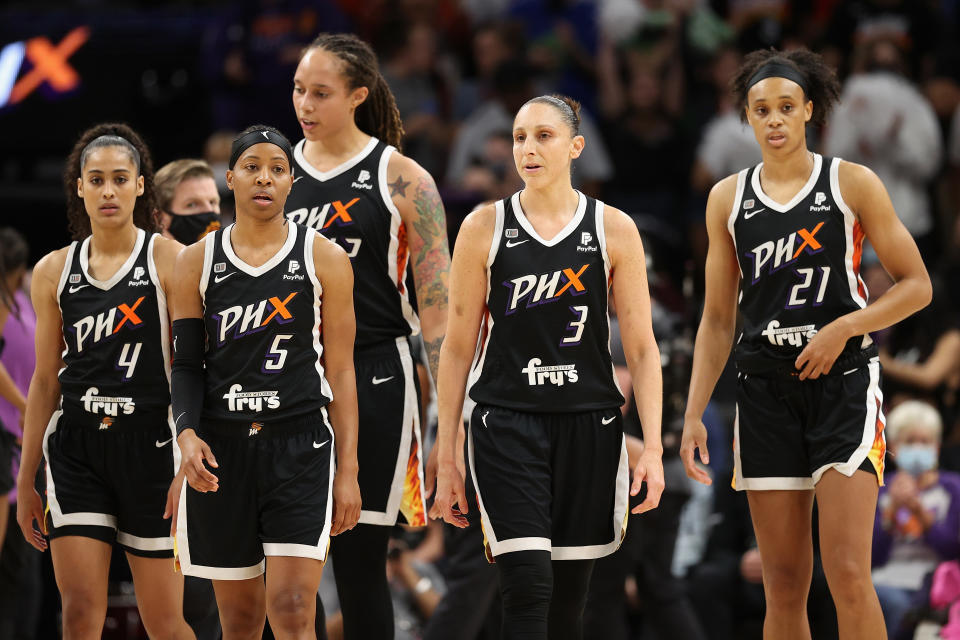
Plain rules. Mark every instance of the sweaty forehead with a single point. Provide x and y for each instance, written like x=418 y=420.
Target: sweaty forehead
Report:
x=774 y=88
x=111 y=158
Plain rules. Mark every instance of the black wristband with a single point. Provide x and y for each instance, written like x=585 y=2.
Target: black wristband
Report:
x=186 y=380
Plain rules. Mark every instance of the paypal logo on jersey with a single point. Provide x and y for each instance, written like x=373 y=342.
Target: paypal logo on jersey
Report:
x=243 y=320
x=545 y=287
x=818 y=201
x=361 y=181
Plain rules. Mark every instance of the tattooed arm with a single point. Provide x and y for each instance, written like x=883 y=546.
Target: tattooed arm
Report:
x=416 y=197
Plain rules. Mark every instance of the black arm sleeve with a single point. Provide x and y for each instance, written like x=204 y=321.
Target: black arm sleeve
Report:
x=186 y=384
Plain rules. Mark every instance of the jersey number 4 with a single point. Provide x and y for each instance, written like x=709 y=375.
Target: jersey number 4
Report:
x=129 y=360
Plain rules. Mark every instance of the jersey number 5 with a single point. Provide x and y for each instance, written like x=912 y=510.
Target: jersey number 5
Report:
x=276 y=357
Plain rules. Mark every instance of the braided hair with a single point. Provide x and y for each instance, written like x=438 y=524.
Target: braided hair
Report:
x=144 y=211
x=378 y=115
x=823 y=88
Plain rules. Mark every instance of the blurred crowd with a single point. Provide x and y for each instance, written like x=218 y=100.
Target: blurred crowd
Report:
x=660 y=130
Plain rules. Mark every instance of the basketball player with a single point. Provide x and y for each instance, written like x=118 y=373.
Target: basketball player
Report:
x=253 y=386
x=546 y=446
x=354 y=186
x=188 y=200
x=104 y=421
x=786 y=238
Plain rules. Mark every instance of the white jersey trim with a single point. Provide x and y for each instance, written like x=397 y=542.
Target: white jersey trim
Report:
x=396 y=221
x=566 y=231
x=119 y=274
x=800 y=195
x=343 y=167
x=65 y=272
x=161 y=305
x=602 y=241
x=276 y=259
x=734 y=214
x=209 y=244
x=311 y=269
x=849 y=222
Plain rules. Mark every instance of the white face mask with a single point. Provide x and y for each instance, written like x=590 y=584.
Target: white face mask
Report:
x=916 y=458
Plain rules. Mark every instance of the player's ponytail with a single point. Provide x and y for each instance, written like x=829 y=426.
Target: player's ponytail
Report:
x=105 y=135
x=378 y=115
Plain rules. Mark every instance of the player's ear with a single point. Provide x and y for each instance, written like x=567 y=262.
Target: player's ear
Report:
x=139 y=185
x=808 y=110
x=230 y=179
x=80 y=187
x=576 y=147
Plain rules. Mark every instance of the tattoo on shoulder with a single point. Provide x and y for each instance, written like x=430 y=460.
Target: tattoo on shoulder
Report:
x=398 y=187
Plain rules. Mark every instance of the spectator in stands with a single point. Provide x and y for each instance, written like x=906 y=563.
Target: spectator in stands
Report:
x=918 y=511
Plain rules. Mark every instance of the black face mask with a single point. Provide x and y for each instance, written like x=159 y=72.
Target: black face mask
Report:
x=190 y=228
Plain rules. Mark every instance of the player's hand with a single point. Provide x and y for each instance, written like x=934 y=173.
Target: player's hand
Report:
x=649 y=469
x=821 y=352
x=346 y=501
x=30 y=510
x=451 y=497
x=193 y=453
x=695 y=438
x=173 y=501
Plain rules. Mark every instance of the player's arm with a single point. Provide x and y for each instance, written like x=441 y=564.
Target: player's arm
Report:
x=717 y=325
x=187 y=384
x=44 y=390
x=415 y=194
x=632 y=295
x=339 y=332
x=165 y=252
x=468 y=286
x=866 y=196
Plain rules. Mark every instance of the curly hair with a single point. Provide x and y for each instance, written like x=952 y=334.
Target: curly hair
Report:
x=378 y=115
x=823 y=88
x=144 y=211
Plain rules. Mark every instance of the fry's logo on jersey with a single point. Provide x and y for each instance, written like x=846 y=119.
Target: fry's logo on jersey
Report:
x=772 y=256
x=250 y=318
x=102 y=325
x=545 y=287
x=239 y=400
x=317 y=218
x=793 y=336
x=553 y=374
x=94 y=403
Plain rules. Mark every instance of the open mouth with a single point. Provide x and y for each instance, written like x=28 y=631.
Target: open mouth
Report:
x=263 y=198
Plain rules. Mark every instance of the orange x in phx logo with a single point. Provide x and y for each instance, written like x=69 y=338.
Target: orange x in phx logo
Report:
x=49 y=64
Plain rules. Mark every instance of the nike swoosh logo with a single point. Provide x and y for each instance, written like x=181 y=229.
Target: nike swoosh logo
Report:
x=75 y=289
x=514 y=243
x=377 y=380
x=318 y=445
x=164 y=443
x=749 y=214
x=608 y=420
x=178 y=418
x=222 y=278
x=484 y=418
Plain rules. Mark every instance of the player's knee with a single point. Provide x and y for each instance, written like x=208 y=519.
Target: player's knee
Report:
x=241 y=622
x=83 y=614
x=849 y=580
x=163 y=625
x=291 y=610
x=786 y=583
x=526 y=582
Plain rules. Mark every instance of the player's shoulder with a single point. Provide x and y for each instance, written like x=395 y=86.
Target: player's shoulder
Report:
x=407 y=170
x=52 y=264
x=166 y=249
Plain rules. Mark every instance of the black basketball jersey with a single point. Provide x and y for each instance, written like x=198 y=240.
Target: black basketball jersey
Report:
x=264 y=355
x=799 y=265
x=546 y=330
x=351 y=205
x=117 y=337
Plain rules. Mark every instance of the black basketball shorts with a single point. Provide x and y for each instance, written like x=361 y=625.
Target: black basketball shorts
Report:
x=275 y=498
x=109 y=480
x=789 y=432
x=389 y=443
x=556 y=482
